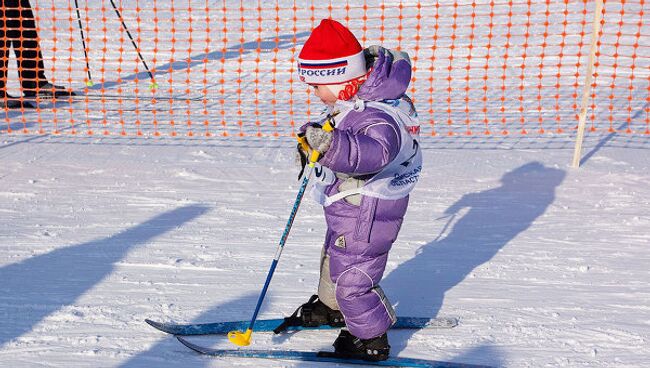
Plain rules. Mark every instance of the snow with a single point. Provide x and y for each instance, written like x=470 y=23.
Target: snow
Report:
x=544 y=264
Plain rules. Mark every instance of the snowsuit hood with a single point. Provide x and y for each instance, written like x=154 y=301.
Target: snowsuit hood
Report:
x=390 y=75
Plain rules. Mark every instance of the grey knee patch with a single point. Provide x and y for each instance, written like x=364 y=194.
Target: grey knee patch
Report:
x=326 y=288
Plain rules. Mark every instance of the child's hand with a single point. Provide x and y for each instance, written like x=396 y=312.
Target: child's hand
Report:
x=318 y=139
x=311 y=137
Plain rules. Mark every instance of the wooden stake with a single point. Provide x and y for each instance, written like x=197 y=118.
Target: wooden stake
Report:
x=582 y=119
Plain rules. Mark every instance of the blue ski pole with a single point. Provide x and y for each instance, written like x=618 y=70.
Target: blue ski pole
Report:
x=244 y=338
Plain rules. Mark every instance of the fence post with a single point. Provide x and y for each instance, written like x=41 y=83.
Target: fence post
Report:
x=582 y=118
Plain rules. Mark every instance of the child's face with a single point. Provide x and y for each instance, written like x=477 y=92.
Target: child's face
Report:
x=325 y=94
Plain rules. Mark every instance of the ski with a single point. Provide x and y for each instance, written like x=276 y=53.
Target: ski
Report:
x=322 y=356
x=270 y=324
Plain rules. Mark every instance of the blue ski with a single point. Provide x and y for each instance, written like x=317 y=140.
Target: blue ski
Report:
x=270 y=324
x=322 y=356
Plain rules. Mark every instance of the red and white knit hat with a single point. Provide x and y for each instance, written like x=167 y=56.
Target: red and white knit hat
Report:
x=331 y=55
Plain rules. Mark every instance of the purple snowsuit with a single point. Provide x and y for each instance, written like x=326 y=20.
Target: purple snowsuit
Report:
x=359 y=236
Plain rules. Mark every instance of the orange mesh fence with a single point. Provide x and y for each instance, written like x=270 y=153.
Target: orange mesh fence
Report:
x=215 y=68
x=620 y=96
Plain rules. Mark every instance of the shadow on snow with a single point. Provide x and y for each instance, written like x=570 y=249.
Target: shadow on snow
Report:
x=235 y=51
x=39 y=286
x=168 y=352
x=494 y=218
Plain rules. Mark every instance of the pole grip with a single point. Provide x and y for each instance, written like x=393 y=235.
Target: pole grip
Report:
x=315 y=155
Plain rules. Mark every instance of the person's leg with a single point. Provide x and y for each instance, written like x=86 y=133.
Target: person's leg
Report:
x=3 y=52
x=326 y=288
x=30 y=59
x=28 y=51
x=320 y=309
x=367 y=311
x=7 y=12
x=9 y=25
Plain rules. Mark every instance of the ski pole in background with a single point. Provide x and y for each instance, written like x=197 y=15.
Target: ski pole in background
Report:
x=89 y=83
x=153 y=85
x=244 y=338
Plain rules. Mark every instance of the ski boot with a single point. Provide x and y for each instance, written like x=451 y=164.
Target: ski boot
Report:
x=349 y=346
x=314 y=313
x=49 y=91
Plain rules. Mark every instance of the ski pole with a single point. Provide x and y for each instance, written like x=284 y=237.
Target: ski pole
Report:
x=83 y=42
x=244 y=338
x=153 y=85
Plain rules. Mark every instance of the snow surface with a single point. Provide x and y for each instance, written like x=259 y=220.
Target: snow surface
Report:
x=545 y=265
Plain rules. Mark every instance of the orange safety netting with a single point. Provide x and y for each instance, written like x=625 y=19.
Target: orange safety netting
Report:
x=228 y=68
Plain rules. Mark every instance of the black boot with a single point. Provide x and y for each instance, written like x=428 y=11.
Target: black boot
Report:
x=351 y=347
x=49 y=90
x=10 y=102
x=314 y=313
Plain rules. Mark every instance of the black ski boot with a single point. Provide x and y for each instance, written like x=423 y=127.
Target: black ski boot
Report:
x=314 y=313
x=48 y=90
x=351 y=347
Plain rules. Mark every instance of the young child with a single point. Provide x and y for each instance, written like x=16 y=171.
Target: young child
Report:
x=369 y=163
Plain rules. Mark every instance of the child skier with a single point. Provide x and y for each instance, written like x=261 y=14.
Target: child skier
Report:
x=369 y=163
